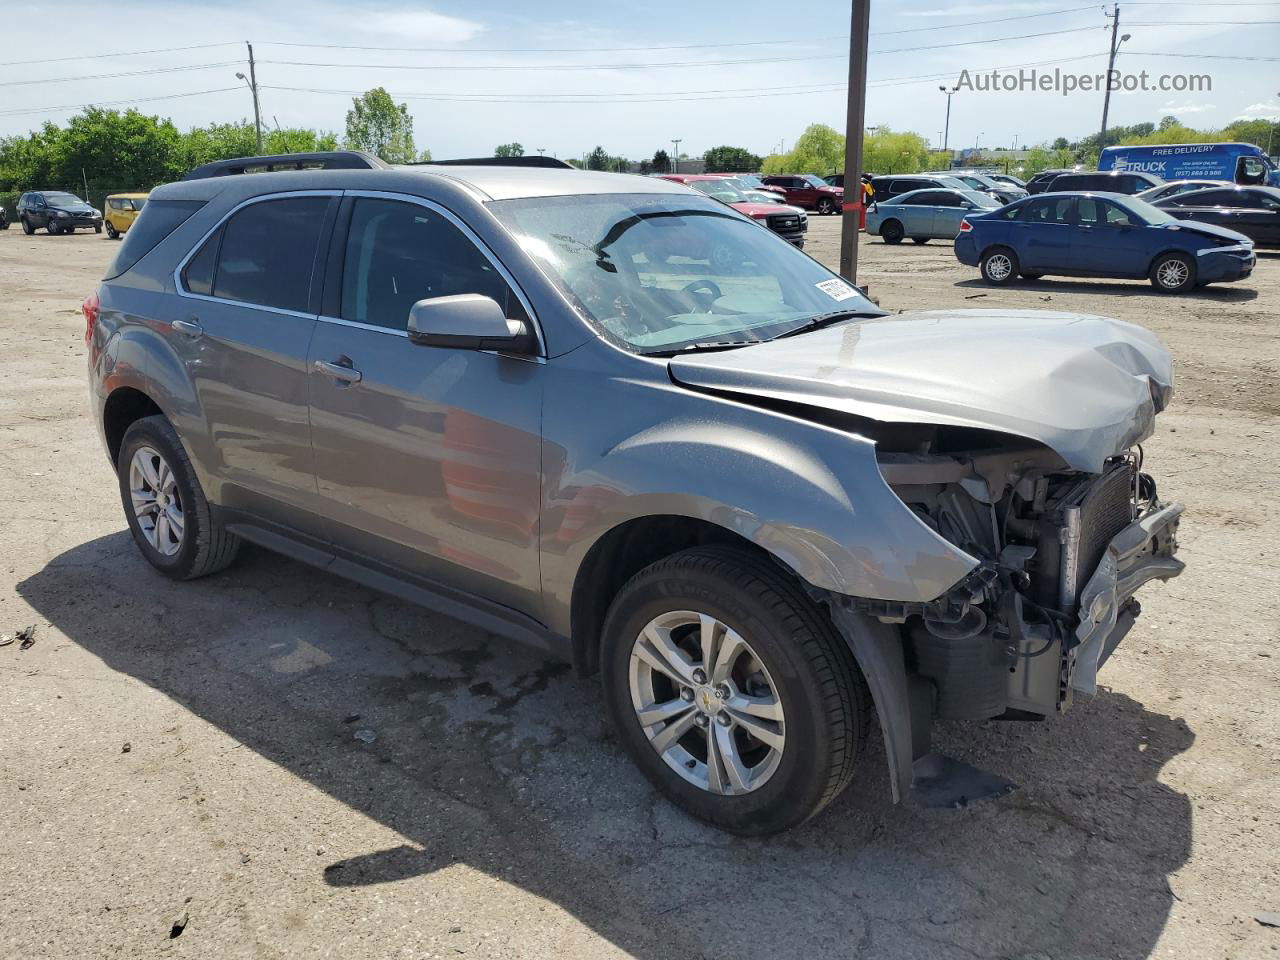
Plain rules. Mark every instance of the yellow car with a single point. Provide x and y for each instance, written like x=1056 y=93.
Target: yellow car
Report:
x=121 y=210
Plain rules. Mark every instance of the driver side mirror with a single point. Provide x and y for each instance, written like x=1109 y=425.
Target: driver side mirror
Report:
x=468 y=321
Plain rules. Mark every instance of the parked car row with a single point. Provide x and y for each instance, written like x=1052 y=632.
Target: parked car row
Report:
x=59 y=212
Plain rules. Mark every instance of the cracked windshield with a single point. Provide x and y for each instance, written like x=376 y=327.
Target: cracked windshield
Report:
x=664 y=273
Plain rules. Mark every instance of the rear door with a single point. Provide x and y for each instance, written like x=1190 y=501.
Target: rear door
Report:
x=241 y=326
x=428 y=459
x=948 y=209
x=1044 y=234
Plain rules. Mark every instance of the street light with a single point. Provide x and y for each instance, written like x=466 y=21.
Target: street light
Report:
x=257 y=118
x=541 y=151
x=946 y=131
x=976 y=139
x=675 y=159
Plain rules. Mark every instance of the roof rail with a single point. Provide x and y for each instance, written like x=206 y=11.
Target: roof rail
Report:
x=529 y=161
x=322 y=160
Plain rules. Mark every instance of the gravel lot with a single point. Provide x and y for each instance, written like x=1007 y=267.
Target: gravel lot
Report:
x=180 y=771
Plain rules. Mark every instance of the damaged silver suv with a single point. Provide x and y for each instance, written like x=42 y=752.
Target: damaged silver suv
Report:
x=616 y=419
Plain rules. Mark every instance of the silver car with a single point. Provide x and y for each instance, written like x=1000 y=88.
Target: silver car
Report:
x=925 y=215
x=540 y=401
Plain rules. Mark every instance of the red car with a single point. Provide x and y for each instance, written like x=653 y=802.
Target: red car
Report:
x=807 y=191
x=787 y=222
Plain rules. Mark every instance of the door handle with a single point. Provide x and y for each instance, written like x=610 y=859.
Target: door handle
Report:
x=338 y=371
x=188 y=328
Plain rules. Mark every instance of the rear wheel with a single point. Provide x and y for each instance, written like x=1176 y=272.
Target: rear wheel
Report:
x=1173 y=273
x=919 y=239
x=167 y=512
x=999 y=265
x=891 y=231
x=731 y=690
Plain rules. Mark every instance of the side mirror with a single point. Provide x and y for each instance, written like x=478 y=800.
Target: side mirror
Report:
x=468 y=321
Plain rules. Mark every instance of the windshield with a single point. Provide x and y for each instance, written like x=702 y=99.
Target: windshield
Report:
x=722 y=190
x=750 y=179
x=61 y=199
x=984 y=200
x=659 y=273
x=815 y=181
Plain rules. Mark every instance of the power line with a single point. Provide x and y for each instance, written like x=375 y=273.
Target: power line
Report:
x=112 y=103
x=979 y=23
x=563 y=99
x=131 y=73
x=126 y=53
x=1198 y=56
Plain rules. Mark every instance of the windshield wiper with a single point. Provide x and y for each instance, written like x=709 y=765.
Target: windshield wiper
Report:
x=702 y=345
x=826 y=319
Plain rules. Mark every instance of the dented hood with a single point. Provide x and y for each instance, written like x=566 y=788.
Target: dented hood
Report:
x=1086 y=387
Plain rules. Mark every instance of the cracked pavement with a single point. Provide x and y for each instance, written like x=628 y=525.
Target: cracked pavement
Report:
x=493 y=816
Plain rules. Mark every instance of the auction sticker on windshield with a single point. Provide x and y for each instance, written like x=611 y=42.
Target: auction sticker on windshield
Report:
x=836 y=289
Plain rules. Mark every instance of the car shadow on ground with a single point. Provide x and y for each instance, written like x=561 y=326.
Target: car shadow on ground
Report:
x=488 y=755
x=1220 y=293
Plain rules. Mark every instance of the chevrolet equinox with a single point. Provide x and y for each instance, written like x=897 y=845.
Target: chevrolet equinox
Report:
x=759 y=506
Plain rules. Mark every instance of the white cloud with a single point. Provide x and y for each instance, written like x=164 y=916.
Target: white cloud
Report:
x=415 y=25
x=1260 y=111
x=969 y=9
x=1179 y=108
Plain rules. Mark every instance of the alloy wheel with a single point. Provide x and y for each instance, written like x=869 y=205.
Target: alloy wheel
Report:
x=706 y=703
x=999 y=267
x=157 y=502
x=1172 y=274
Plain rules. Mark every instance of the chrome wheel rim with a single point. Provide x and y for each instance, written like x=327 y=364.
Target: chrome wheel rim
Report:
x=706 y=703
x=157 y=504
x=999 y=267
x=1172 y=274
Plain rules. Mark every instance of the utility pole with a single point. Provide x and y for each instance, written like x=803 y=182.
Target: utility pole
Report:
x=1114 y=17
x=946 y=130
x=855 y=117
x=675 y=157
x=253 y=85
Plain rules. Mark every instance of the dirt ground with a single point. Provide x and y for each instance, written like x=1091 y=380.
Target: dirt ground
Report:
x=180 y=772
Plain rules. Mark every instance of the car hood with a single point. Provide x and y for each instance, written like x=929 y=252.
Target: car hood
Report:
x=1208 y=229
x=753 y=209
x=71 y=207
x=1087 y=387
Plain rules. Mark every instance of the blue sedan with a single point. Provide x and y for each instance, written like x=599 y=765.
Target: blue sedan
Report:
x=1100 y=235
x=925 y=214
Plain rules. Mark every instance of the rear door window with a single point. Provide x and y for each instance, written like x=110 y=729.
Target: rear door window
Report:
x=157 y=221
x=399 y=253
x=1048 y=210
x=268 y=252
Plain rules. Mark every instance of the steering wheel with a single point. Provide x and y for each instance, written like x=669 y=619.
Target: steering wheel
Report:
x=703 y=288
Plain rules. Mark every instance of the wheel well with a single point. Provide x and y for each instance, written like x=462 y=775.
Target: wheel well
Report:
x=1164 y=253
x=125 y=406
x=618 y=556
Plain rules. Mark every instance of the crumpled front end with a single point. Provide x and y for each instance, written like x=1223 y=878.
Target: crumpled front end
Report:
x=1063 y=553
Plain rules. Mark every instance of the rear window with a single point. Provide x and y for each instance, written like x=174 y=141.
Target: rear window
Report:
x=159 y=219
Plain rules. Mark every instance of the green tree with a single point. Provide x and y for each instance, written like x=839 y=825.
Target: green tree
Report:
x=888 y=151
x=820 y=150
x=512 y=149
x=1167 y=122
x=120 y=149
x=731 y=160
x=661 y=163
x=598 y=159
x=1062 y=143
x=1038 y=159
x=377 y=124
x=299 y=140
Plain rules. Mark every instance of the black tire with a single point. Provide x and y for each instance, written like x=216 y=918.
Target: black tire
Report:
x=111 y=231
x=823 y=696
x=826 y=206
x=1173 y=273
x=97 y=228
x=27 y=228
x=1031 y=276
x=919 y=239
x=205 y=546
x=53 y=229
x=891 y=231
x=999 y=266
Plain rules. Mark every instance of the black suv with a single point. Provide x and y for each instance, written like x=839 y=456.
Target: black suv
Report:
x=888 y=187
x=57 y=212
x=1114 y=182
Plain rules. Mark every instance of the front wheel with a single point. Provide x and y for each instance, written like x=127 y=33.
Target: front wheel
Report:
x=826 y=206
x=1173 y=273
x=731 y=690
x=999 y=266
x=97 y=228
x=891 y=231
x=27 y=228
x=111 y=230
x=167 y=512
x=53 y=229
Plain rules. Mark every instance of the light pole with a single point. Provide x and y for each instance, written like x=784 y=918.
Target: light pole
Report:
x=855 y=118
x=975 y=141
x=1270 y=130
x=946 y=130
x=257 y=121
x=675 y=157
x=541 y=151
x=1015 y=143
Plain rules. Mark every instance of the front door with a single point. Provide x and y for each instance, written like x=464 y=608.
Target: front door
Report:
x=1109 y=241
x=241 y=326
x=428 y=459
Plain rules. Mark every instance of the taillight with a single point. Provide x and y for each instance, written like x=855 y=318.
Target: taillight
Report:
x=965 y=226
x=90 y=310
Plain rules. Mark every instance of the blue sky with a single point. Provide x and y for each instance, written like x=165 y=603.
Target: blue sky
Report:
x=566 y=76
